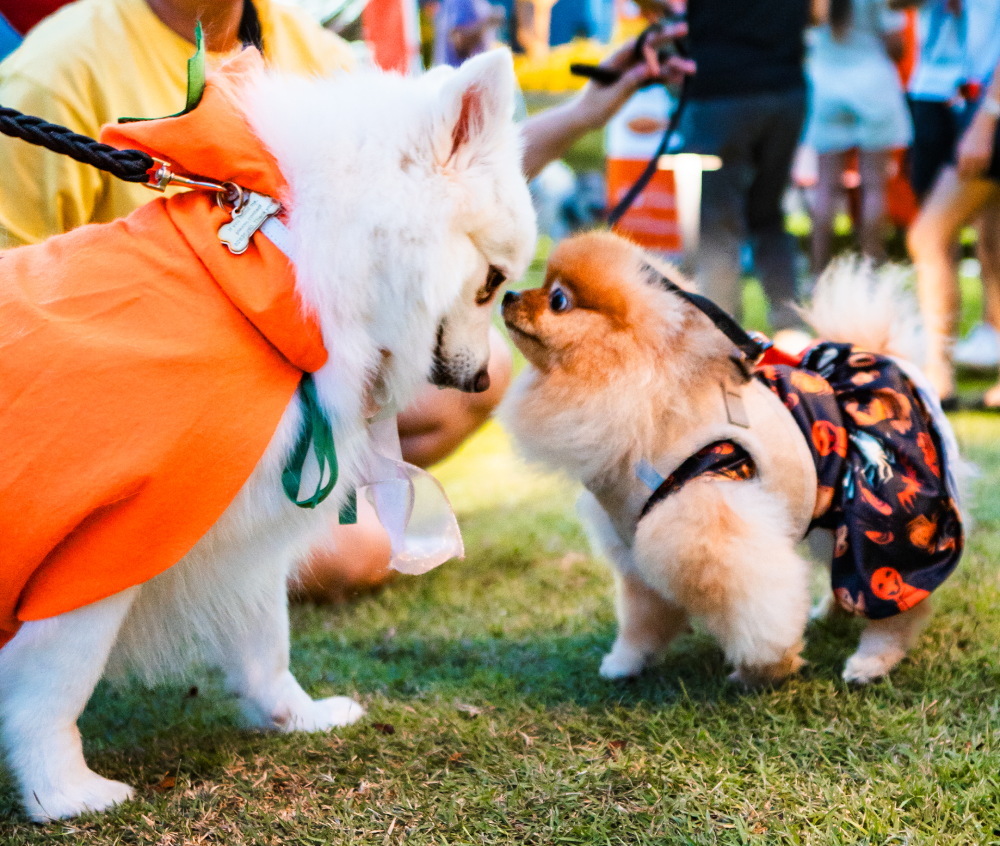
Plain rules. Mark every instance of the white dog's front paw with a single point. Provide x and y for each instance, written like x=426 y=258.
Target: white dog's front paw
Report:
x=320 y=715
x=622 y=661
x=861 y=669
x=94 y=793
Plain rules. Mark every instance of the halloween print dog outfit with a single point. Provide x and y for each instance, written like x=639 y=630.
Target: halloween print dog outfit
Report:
x=883 y=486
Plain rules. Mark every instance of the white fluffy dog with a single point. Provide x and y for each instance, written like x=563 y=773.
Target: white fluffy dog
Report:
x=408 y=209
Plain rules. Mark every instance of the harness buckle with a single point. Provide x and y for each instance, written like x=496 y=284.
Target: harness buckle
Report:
x=763 y=344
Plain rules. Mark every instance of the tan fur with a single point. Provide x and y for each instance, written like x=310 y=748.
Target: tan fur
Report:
x=631 y=371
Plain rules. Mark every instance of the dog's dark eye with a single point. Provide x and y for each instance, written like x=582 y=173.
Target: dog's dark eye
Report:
x=558 y=301
x=494 y=279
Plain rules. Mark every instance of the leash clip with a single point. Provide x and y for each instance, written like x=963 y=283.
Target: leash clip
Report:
x=227 y=193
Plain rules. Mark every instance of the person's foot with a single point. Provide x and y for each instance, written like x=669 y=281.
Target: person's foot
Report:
x=942 y=377
x=979 y=350
x=991 y=399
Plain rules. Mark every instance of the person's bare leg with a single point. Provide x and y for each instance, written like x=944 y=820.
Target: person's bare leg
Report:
x=355 y=558
x=988 y=252
x=931 y=240
x=830 y=167
x=348 y=561
x=873 y=167
x=441 y=419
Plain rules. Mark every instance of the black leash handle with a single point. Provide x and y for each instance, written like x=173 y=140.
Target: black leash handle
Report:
x=607 y=76
x=640 y=184
x=128 y=165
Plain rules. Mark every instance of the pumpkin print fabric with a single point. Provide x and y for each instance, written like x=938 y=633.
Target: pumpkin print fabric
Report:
x=883 y=486
x=722 y=459
x=881 y=481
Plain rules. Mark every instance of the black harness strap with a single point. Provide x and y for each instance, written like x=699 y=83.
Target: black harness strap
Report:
x=724 y=459
x=751 y=347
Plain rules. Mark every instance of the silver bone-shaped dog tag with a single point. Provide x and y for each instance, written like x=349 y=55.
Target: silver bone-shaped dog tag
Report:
x=248 y=219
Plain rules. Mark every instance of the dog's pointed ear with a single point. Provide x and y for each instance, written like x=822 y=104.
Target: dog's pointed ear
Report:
x=476 y=101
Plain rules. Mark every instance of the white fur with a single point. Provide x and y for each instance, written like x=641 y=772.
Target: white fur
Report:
x=393 y=229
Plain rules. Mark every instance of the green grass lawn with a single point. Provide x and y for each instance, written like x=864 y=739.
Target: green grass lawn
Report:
x=488 y=723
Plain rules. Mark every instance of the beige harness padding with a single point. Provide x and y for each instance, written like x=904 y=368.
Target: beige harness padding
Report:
x=773 y=439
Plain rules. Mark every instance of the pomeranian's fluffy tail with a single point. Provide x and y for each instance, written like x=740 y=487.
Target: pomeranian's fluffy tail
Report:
x=875 y=309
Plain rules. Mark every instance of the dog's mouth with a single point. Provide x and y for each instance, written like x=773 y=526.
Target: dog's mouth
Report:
x=519 y=334
x=444 y=376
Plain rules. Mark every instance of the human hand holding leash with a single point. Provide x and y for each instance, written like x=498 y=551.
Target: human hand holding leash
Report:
x=636 y=64
x=549 y=134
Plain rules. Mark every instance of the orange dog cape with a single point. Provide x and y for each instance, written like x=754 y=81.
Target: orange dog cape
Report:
x=143 y=371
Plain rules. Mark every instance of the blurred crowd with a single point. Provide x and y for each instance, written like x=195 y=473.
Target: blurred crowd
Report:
x=885 y=111
x=882 y=111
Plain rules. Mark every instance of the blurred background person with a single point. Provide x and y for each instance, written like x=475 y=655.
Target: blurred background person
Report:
x=959 y=48
x=464 y=28
x=97 y=60
x=964 y=191
x=856 y=102
x=747 y=105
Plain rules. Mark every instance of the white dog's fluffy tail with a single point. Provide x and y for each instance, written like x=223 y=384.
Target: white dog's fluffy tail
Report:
x=875 y=309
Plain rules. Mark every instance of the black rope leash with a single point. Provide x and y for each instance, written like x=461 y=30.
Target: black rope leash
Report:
x=653 y=165
x=606 y=76
x=128 y=165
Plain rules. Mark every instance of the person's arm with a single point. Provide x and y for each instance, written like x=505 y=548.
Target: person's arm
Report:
x=551 y=133
x=892 y=23
x=976 y=147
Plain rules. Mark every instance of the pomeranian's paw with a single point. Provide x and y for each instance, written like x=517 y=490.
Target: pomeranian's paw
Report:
x=622 y=661
x=861 y=669
x=322 y=714
x=762 y=675
x=93 y=793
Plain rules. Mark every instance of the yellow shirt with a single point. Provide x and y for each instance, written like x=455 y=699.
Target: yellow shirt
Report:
x=93 y=62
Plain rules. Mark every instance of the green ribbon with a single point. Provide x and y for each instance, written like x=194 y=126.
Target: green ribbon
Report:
x=316 y=429
x=195 y=78
x=196 y=72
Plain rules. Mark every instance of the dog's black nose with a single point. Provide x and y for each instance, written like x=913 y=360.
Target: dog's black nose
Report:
x=482 y=381
x=509 y=298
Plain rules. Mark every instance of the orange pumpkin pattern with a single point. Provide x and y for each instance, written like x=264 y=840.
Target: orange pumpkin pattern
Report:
x=876 y=446
x=827 y=438
x=888 y=585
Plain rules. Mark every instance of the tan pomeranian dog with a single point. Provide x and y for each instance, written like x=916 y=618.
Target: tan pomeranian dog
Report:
x=705 y=465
